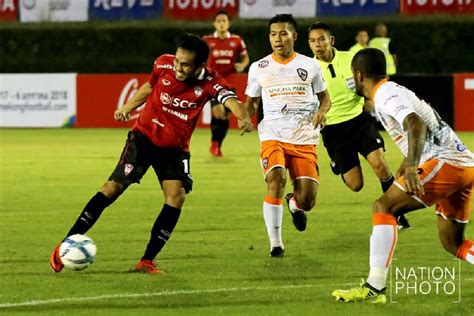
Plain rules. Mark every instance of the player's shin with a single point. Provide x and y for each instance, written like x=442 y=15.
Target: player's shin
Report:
x=273 y=215
x=382 y=246
x=90 y=214
x=161 y=231
x=466 y=251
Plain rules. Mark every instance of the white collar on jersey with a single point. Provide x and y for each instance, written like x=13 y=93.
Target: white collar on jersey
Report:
x=227 y=35
x=201 y=74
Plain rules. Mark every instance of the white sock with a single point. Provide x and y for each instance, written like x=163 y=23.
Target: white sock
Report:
x=382 y=246
x=292 y=205
x=273 y=215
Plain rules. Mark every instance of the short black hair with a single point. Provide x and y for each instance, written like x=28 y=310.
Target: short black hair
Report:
x=371 y=63
x=222 y=12
x=284 y=18
x=320 y=26
x=196 y=45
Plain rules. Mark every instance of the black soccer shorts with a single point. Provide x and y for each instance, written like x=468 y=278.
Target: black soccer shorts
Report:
x=344 y=141
x=140 y=153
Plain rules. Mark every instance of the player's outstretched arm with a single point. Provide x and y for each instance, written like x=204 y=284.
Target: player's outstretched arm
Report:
x=240 y=66
x=238 y=109
x=319 y=117
x=251 y=105
x=123 y=114
x=416 y=129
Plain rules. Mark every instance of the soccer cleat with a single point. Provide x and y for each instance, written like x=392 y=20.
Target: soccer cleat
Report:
x=364 y=293
x=334 y=168
x=215 y=149
x=55 y=260
x=298 y=217
x=277 y=252
x=402 y=223
x=147 y=266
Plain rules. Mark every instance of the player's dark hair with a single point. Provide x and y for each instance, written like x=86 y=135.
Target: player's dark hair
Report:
x=222 y=12
x=284 y=18
x=371 y=63
x=320 y=26
x=196 y=45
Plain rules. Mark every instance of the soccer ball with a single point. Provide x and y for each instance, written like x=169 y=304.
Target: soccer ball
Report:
x=77 y=252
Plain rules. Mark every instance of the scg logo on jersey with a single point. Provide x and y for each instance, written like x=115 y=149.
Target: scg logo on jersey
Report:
x=165 y=98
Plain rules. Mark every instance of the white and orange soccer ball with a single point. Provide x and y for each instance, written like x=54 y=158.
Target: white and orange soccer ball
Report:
x=77 y=252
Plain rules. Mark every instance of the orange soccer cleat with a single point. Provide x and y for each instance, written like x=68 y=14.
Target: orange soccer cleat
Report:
x=147 y=266
x=55 y=260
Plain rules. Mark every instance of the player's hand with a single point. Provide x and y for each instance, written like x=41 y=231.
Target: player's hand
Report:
x=319 y=119
x=121 y=115
x=245 y=125
x=400 y=172
x=412 y=183
x=239 y=67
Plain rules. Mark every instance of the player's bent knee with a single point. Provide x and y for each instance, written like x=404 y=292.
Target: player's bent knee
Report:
x=112 y=189
x=175 y=200
x=355 y=187
x=380 y=206
x=306 y=203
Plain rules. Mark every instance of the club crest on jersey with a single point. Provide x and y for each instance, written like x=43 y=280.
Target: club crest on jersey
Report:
x=232 y=44
x=165 y=98
x=198 y=91
x=263 y=63
x=165 y=82
x=265 y=163
x=128 y=169
x=303 y=73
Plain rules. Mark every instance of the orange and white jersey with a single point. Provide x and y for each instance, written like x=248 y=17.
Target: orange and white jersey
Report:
x=394 y=102
x=288 y=91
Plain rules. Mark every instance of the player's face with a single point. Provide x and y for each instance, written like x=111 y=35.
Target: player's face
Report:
x=359 y=87
x=362 y=38
x=320 y=42
x=221 y=23
x=184 y=67
x=282 y=39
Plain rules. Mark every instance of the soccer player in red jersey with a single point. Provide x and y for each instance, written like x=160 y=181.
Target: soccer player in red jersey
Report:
x=226 y=50
x=174 y=96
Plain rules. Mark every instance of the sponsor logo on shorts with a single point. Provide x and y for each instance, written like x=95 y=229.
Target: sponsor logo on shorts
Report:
x=303 y=73
x=265 y=163
x=165 y=82
x=420 y=171
x=128 y=169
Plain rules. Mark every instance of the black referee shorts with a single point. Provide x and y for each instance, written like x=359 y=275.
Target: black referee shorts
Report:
x=140 y=153
x=344 y=141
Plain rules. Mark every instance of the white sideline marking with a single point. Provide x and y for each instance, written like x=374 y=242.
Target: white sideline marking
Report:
x=163 y=293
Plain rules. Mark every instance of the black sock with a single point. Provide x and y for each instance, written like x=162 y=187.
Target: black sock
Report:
x=90 y=214
x=219 y=129
x=387 y=183
x=161 y=231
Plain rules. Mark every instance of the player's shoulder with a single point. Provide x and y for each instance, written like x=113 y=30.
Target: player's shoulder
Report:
x=235 y=36
x=164 y=61
x=208 y=37
x=262 y=63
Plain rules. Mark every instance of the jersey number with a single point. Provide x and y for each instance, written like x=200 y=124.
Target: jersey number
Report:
x=186 y=165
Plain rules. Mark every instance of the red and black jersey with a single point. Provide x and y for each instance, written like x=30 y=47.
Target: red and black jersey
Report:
x=173 y=107
x=224 y=53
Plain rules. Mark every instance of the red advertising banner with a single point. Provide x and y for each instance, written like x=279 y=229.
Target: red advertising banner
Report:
x=98 y=96
x=198 y=9
x=8 y=10
x=463 y=102
x=413 y=7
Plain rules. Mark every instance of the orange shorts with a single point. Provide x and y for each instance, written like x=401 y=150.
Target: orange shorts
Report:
x=447 y=186
x=300 y=160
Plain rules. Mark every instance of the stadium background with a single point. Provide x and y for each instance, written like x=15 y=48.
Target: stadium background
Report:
x=218 y=257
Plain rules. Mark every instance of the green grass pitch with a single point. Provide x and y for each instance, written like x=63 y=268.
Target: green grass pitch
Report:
x=217 y=261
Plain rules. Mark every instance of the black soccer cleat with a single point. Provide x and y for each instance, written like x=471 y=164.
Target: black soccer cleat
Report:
x=277 y=252
x=298 y=217
x=402 y=223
